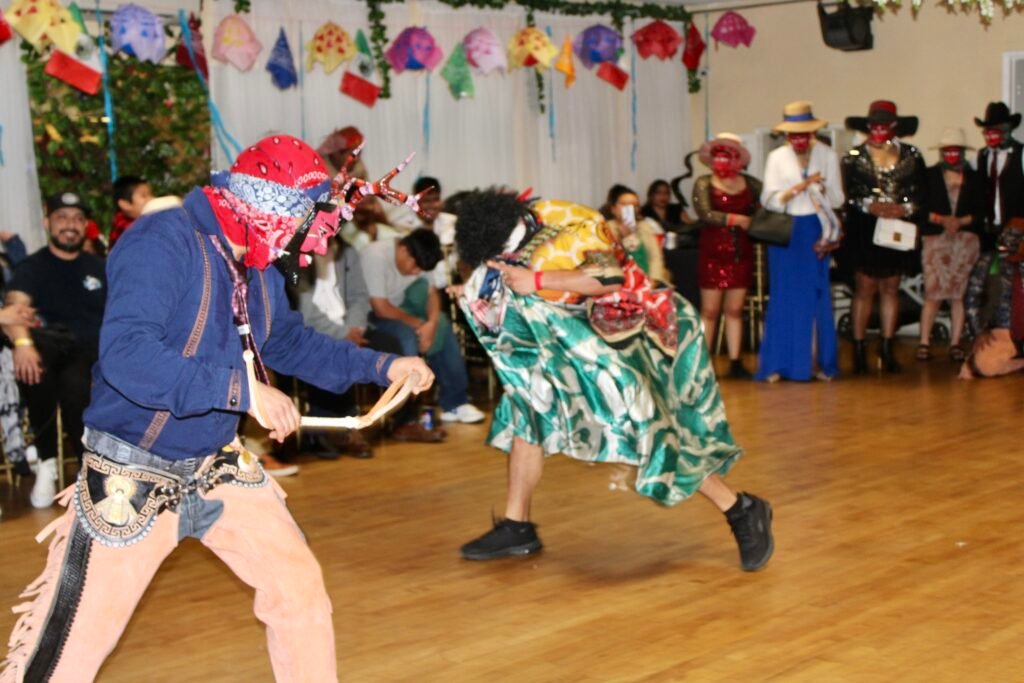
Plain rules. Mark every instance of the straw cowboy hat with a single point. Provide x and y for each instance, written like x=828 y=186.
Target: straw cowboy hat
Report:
x=727 y=140
x=798 y=118
x=883 y=111
x=952 y=137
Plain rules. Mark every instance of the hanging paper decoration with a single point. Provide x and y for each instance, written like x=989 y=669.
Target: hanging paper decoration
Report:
x=79 y=74
x=733 y=30
x=364 y=57
x=598 y=44
x=566 y=63
x=137 y=32
x=234 y=43
x=484 y=51
x=181 y=55
x=607 y=71
x=457 y=74
x=281 y=65
x=531 y=47
x=359 y=89
x=694 y=49
x=5 y=30
x=41 y=22
x=657 y=39
x=331 y=46
x=414 y=50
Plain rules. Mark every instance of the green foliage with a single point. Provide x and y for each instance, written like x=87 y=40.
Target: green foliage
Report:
x=163 y=131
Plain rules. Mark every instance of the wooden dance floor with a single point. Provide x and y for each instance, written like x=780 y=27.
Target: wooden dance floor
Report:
x=898 y=522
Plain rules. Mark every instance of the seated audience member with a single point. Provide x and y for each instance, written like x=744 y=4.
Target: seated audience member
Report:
x=659 y=207
x=336 y=147
x=52 y=362
x=333 y=300
x=131 y=194
x=405 y=306
x=639 y=235
x=434 y=218
x=369 y=224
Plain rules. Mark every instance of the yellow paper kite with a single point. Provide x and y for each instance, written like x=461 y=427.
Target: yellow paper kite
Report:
x=565 y=62
x=41 y=22
x=331 y=46
x=531 y=47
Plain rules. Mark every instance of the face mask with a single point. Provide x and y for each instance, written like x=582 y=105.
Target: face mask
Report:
x=881 y=133
x=993 y=138
x=723 y=166
x=800 y=142
x=953 y=156
x=312 y=237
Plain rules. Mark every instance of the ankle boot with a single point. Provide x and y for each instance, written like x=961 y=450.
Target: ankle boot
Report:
x=860 y=357
x=737 y=371
x=885 y=355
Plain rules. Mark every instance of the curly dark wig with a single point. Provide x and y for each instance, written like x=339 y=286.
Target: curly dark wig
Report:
x=486 y=218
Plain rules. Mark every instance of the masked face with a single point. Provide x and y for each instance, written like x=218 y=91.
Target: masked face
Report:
x=723 y=164
x=994 y=137
x=953 y=156
x=881 y=133
x=313 y=236
x=800 y=142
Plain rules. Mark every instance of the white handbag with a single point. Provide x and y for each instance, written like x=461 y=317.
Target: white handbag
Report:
x=892 y=233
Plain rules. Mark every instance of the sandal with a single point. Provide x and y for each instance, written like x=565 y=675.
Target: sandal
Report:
x=957 y=353
x=924 y=352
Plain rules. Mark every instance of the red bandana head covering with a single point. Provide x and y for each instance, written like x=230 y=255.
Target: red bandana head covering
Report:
x=260 y=202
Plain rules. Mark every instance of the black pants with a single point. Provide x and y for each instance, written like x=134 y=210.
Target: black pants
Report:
x=66 y=381
x=323 y=403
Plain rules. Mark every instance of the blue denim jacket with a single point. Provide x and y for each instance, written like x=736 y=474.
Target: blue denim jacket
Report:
x=170 y=376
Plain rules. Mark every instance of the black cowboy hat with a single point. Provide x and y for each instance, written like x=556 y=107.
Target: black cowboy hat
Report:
x=997 y=113
x=883 y=111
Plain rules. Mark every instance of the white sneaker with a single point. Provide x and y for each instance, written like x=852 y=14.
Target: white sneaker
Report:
x=466 y=413
x=45 y=488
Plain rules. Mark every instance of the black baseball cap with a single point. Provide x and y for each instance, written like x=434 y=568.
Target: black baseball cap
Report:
x=65 y=200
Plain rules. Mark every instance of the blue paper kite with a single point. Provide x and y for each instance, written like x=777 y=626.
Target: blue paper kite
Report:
x=281 y=65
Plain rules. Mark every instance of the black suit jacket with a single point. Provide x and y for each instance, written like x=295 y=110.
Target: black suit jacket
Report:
x=970 y=203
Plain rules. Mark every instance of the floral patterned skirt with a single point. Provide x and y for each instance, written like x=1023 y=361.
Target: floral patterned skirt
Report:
x=568 y=390
x=947 y=261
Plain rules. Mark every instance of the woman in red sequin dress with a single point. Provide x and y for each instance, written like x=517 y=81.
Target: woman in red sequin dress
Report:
x=724 y=201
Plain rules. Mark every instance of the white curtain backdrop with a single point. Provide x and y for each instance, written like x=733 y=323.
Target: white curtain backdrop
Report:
x=20 y=205
x=498 y=137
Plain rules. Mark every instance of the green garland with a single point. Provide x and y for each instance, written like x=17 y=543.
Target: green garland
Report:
x=379 y=41
x=618 y=11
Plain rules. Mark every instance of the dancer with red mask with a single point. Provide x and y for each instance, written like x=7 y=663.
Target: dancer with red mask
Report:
x=190 y=289
x=1001 y=165
x=725 y=200
x=956 y=217
x=802 y=179
x=885 y=185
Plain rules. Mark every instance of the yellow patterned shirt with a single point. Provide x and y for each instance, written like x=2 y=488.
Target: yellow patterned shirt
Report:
x=573 y=237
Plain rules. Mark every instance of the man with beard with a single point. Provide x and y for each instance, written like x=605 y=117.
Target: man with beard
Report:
x=68 y=287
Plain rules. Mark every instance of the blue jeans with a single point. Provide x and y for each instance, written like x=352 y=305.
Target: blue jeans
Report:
x=447 y=363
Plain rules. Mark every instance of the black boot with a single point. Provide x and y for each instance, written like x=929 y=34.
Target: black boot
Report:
x=737 y=371
x=507 y=538
x=860 y=357
x=751 y=522
x=885 y=355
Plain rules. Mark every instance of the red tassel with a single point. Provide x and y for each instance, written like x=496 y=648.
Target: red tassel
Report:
x=613 y=74
x=73 y=72
x=359 y=89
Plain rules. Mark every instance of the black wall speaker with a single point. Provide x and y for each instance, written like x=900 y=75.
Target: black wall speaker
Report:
x=848 y=28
